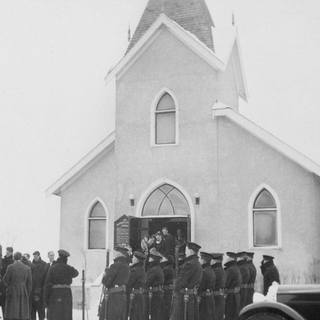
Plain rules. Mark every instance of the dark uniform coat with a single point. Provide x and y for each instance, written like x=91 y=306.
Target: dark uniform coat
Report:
x=270 y=273
x=252 y=280
x=245 y=278
x=6 y=261
x=59 y=300
x=116 y=276
x=137 y=281
x=155 y=279
x=168 y=272
x=168 y=245
x=207 y=285
x=39 y=272
x=189 y=276
x=219 y=290
x=19 y=283
x=233 y=283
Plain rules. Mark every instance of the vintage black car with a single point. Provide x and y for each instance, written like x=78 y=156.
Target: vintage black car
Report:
x=294 y=302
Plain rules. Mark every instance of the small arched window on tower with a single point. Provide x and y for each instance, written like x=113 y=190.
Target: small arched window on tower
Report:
x=165 y=120
x=97 y=227
x=265 y=220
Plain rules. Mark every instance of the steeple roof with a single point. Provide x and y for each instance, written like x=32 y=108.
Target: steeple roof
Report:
x=192 y=15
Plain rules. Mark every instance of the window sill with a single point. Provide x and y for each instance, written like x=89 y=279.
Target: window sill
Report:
x=95 y=250
x=265 y=248
x=164 y=145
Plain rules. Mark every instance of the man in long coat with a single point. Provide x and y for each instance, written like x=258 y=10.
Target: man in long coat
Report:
x=252 y=278
x=205 y=292
x=6 y=261
x=245 y=278
x=270 y=272
x=232 y=290
x=168 y=272
x=115 y=280
x=219 y=285
x=39 y=271
x=155 y=279
x=136 y=287
x=57 y=291
x=18 y=282
x=185 y=299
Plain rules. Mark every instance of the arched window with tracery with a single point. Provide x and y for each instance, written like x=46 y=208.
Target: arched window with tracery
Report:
x=265 y=220
x=165 y=120
x=97 y=227
x=166 y=200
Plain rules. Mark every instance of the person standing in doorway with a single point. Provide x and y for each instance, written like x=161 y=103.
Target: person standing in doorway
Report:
x=168 y=242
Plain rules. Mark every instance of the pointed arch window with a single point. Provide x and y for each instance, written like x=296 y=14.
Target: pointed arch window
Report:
x=166 y=200
x=97 y=227
x=265 y=220
x=165 y=120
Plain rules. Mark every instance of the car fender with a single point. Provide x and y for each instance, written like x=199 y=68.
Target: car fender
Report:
x=268 y=306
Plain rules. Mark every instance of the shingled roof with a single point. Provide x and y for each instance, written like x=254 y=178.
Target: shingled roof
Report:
x=192 y=15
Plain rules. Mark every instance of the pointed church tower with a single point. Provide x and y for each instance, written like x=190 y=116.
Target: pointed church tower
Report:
x=192 y=15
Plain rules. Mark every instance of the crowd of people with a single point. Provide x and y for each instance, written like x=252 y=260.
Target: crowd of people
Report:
x=31 y=289
x=152 y=284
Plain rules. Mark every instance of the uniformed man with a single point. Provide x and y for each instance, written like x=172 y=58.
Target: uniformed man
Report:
x=155 y=280
x=232 y=290
x=252 y=278
x=136 y=287
x=245 y=278
x=219 y=286
x=168 y=272
x=185 y=303
x=58 y=296
x=269 y=271
x=115 y=280
x=6 y=261
x=206 y=288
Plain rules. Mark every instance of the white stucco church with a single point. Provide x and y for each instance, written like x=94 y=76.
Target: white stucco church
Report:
x=182 y=154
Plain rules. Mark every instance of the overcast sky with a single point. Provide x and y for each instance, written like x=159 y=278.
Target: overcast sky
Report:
x=55 y=106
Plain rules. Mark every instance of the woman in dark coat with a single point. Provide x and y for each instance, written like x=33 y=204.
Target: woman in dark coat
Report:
x=207 y=284
x=155 y=279
x=57 y=291
x=18 y=282
x=168 y=272
x=136 y=287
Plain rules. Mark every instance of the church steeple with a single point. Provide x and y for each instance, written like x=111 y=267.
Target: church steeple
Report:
x=192 y=15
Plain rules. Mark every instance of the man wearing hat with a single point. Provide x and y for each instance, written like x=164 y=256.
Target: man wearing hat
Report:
x=6 y=261
x=245 y=278
x=232 y=290
x=252 y=278
x=219 y=286
x=136 y=287
x=39 y=272
x=168 y=272
x=155 y=279
x=115 y=282
x=57 y=291
x=270 y=272
x=205 y=292
x=185 y=302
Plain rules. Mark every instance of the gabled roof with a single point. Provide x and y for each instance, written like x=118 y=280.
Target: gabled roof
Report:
x=220 y=110
x=192 y=15
x=85 y=162
x=191 y=41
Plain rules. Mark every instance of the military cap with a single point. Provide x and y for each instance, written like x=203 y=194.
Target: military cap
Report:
x=217 y=256
x=241 y=254
x=232 y=255
x=63 y=253
x=140 y=255
x=206 y=255
x=36 y=253
x=250 y=254
x=267 y=257
x=193 y=246
x=10 y=249
x=122 y=250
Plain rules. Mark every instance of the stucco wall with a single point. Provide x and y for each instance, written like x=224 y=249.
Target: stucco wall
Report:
x=96 y=182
